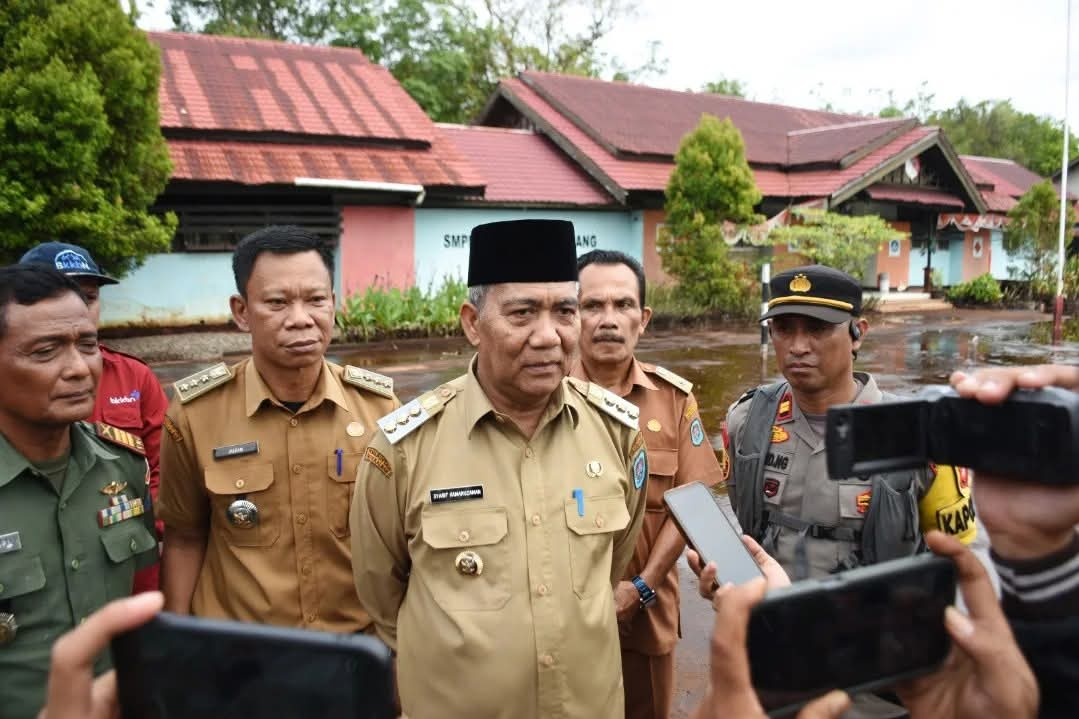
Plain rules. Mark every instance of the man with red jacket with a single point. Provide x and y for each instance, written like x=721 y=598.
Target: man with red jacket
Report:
x=128 y=395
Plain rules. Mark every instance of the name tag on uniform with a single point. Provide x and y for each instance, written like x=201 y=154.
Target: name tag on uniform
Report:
x=10 y=542
x=236 y=450
x=456 y=494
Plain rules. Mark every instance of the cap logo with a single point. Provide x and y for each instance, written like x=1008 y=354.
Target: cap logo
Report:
x=71 y=261
x=801 y=283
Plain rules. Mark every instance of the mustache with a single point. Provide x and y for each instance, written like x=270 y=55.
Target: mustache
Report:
x=607 y=337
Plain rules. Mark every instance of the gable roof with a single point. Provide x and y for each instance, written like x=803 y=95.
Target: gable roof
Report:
x=1002 y=182
x=521 y=166
x=235 y=109
x=794 y=153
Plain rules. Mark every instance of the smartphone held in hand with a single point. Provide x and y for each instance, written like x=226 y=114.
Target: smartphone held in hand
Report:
x=708 y=530
x=179 y=667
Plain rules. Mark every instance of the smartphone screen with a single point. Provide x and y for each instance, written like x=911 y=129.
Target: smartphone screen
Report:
x=859 y=630
x=179 y=667
x=710 y=533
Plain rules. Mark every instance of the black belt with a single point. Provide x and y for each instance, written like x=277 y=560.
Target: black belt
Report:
x=816 y=531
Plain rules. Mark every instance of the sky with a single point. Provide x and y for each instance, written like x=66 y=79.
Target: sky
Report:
x=849 y=53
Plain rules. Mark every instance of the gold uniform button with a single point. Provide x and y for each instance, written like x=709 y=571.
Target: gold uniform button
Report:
x=297 y=469
x=240 y=484
x=600 y=521
x=529 y=453
x=464 y=536
x=536 y=520
x=294 y=422
x=542 y=590
x=301 y=518
x=547 y=660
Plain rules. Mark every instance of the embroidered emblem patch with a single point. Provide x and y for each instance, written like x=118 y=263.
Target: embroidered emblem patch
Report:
x=785 y=411
x=724 y=464
x=376 y=458
x=640 y=468
x=696 y=432
x=779 y=435
x=771 y=487
x=691 y=409
x=862 y=501
x=173 y=431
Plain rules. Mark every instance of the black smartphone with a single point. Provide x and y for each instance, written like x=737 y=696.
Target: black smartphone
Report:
x=179 y=667
x=860 y=630
x=707 y=529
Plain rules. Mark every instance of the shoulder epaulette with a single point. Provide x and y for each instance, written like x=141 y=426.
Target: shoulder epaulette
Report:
x=625 y=412
x=121 y=437
x=404 y=420
x=202 y=382
x=680 y=382
x=371 y=381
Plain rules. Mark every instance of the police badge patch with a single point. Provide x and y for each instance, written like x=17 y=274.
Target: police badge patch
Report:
x=640 y=468
x=696 y=432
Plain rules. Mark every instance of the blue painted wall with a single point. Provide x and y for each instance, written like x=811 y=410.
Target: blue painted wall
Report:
x=173 y=289
x=943 y=261
x=442 y=236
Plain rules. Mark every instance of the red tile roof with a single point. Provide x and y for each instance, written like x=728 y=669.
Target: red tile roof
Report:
x=264 y=112
x=523 y=166
x=1004 y=177
x=636 y=119
x=915 y=196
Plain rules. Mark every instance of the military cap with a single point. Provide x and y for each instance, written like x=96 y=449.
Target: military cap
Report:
x=522 y=251
x=815 y=291
x=71 y=260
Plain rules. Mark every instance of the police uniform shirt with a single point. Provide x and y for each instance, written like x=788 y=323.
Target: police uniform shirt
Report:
x=487 y=559
x=59 y=559
x=796 y=483
x=678 y=453
x=291 y=564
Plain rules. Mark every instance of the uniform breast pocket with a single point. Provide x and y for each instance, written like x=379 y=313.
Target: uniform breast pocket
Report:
x=126 y=545
x=466 y=567
x=592 y=529
x=339 y=492
x=21 y=581
x=244 y=510
x=662 y=466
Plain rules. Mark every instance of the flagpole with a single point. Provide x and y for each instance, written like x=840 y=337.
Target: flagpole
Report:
x=1058 y=305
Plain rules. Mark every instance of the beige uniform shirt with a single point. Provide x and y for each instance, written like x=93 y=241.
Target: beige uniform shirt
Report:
x=533 y=633
x=796 y=482
x=678 y=453
x=294 y=567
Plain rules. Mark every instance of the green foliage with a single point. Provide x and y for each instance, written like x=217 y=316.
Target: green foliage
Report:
x=726 y=86
x=1032 y=235
x=666 y=301
x=392 y=312
x=827 y=238
x=81 y=152
x=983 y=290
x=448 y=54
x=711 y=185
x=1071 y=278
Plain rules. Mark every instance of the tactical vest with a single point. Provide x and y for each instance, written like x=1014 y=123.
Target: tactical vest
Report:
x=891 y=526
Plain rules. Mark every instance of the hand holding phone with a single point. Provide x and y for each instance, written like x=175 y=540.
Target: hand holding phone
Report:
x=707 y=529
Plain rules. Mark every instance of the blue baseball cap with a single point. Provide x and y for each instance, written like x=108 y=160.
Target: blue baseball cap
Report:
x=71 y=260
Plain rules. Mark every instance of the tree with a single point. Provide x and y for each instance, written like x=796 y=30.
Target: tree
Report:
x=81 y=152
x=726 y=86
x=711 y=184
x=448 y=54
x=1032 y=235
x=839 y=241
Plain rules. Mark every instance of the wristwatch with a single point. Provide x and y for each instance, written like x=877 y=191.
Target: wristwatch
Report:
x=648 y=595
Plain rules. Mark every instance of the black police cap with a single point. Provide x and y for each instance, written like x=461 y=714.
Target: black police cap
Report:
x=815 y=291
x=522 y=251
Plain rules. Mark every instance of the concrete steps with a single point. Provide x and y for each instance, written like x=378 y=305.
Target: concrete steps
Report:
x=907 y=302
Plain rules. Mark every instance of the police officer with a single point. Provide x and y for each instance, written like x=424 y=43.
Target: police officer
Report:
x=493 y=514
x=128 y=395
x=75 y=514
x=258 y=459
x=779 y=485
x=613 y=317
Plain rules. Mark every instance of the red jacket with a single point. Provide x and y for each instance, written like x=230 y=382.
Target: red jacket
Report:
x=130 y=397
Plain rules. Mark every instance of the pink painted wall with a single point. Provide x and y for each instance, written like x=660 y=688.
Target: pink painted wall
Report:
x=377 y=247
x=976 y=266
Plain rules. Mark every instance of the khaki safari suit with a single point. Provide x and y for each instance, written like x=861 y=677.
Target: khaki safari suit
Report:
x=678 y=452
x=292 y=566
x=65 y=554
x=796 y=482
x=480 y=566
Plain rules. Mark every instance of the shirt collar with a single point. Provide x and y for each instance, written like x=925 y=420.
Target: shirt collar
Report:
x=327 y=388
x=477 y=405
x=84 y=453
x=638 y=374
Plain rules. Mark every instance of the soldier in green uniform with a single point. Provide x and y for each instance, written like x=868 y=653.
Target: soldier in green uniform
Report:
x=75 y=514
